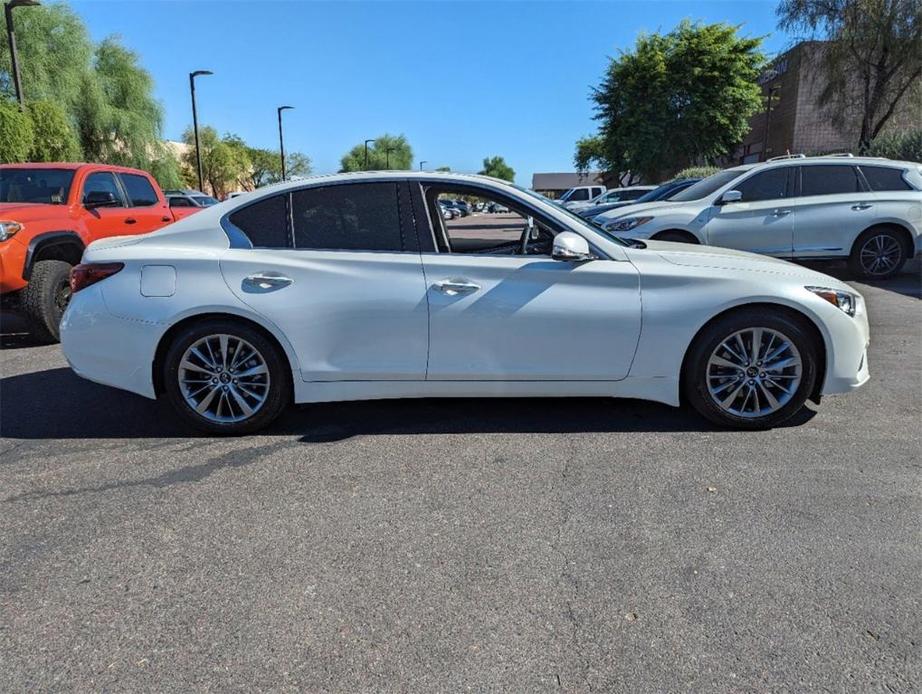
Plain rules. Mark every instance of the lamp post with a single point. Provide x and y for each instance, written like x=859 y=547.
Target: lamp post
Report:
x=387 y=157
x=198 y=149
x=282 y=139
x=772 y=90
x=366 y=153
x=11 y=36
x=421 y=164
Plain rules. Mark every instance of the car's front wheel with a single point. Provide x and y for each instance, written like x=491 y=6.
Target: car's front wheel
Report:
x=224 y=377
x=751 y=369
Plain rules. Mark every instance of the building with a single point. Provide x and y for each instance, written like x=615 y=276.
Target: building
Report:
x=794 y=120
x=553 y=185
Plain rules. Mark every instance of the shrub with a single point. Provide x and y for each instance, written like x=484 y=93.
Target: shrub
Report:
x=697 y=172
x=16 y=135
x=905 y=146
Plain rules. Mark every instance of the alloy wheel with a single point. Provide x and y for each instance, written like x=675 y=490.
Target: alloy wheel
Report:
x=754 y=372
x=224 y=378
x=880 y=254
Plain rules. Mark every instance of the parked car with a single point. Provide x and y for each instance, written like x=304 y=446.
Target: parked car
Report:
x=49 y=213
x=187 y=197
x=449 y=211
x=497 y=208
x=867 y=210
x=625 y=194
x=663 y=192
x=232 y=313
x=580 y=194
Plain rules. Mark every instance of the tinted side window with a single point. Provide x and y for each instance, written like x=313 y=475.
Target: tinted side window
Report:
x=578 y=195
x=829 y=180
x=768 y=185
x=885 y=178
x=265 y=222
x=140 y=191
x=103 y=182
x=180 y=202
x=347 y=217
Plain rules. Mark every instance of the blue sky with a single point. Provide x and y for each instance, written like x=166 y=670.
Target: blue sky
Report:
x=462 y=80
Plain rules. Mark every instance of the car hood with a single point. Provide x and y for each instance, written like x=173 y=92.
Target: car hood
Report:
x=30 y=211
x=691 y=255
x=633 y=209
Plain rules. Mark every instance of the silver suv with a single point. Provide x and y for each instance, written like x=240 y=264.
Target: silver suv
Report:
x=865 y=209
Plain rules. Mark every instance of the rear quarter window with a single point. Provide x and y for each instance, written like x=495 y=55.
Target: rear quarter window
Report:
x=264 y=223
x=881 y=178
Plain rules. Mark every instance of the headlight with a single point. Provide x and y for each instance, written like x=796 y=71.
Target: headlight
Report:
x=846 y=301
x=8 y=229
x=626 y=223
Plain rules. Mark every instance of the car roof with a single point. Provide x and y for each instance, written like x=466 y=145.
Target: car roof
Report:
x=69 y=166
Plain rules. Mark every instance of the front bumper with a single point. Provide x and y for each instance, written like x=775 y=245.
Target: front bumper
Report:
x=847 y=344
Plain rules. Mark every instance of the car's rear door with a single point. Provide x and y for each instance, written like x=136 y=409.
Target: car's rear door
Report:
x=337 y=269
x=147 y=210
x=832 y=207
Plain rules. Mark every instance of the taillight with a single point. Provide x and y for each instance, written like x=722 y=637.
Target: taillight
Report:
x=85 y=274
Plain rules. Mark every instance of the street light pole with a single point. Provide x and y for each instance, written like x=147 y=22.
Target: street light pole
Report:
x=282 y=139
x=11 y=37
x=421 y=164
x=198 y=149
x=387 y=157
x=366 y=153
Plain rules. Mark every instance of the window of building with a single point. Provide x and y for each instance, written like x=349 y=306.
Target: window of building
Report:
x=830 y=179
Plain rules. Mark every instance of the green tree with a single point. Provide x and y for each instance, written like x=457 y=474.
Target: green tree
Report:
x=386 y=152
x=874 y=43
x=902 y=146
x=444 y=168
x=16 y=136
x=55 y=139
x=167 y=169
x=497 y=168
x=697 y=172
x=225 y=161
x=677 y=99
x=266 y=166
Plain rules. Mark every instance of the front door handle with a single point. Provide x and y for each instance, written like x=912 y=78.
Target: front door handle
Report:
x=862 y=206
x=780 y=213
x=131 y=220
x=265 y=281
x=456 y=287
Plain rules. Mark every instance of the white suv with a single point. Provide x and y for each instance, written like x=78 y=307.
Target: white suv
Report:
x=868 y=210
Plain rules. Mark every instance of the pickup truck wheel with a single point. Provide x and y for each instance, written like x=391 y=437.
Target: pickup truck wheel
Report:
x=45 y=297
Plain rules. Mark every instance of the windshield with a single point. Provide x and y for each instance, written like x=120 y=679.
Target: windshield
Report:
x=579 y=221
x=708 y=185
x=45 y=186
x=205 y=200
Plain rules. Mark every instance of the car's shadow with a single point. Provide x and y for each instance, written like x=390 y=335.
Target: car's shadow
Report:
x=57 y=404
x=907 y=282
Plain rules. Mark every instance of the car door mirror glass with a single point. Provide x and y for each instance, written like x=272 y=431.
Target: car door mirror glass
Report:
x=570 y=247
x=730 y=196
x=100 y=198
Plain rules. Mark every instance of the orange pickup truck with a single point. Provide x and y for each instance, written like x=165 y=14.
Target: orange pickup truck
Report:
x=50 y=212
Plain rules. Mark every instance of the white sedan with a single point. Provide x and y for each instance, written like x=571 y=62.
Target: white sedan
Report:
x=353 y=286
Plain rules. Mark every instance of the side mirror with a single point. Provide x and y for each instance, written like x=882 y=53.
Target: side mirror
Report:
x=730 y=196
x=99 y=198
x=571 y=247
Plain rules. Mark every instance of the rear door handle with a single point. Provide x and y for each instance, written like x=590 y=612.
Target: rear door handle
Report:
x=264 y=281
x=862 y=206
x=454 y=287
x=130 y=220
x=781 y=213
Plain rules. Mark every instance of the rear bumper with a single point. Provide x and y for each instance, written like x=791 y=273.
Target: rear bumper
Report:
x=107 y=349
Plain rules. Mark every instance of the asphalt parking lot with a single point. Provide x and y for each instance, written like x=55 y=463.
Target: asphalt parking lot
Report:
x=458 y=544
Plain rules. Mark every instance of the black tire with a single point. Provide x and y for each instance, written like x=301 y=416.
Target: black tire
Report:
x=278 y=391
x=871 y=245
x=676 y=237
x=695 y=370
x=44 y=299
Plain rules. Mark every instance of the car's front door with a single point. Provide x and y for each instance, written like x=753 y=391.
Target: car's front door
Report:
x=498 y=315
x=336 y=269
x=762 y=221
x=108 y=220
x=833 y=207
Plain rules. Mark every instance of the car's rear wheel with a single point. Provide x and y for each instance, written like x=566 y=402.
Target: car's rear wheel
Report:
x=751 y=369
x=45 y=298
x=225 y=377
x=878 y=253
